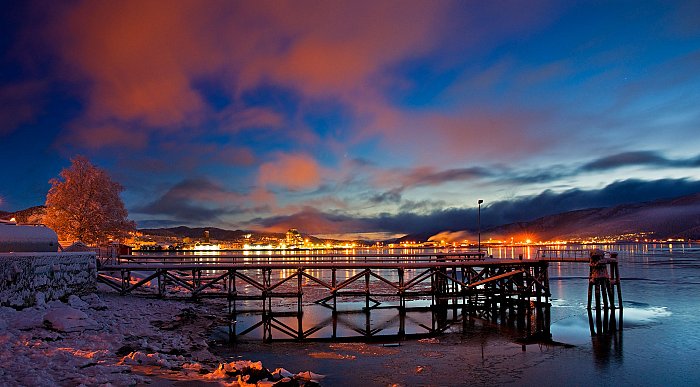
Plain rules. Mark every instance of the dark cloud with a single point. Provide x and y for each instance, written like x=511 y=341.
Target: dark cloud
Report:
x=422 y=206
x=194 y=200
x=158 y=223
x=626 y=159
x=647 y=158
x=553 y=173
x=492 y=214
x=180 y=209
x=312 y=220
x=421 y=178
x=392 y=196
x=426 y=177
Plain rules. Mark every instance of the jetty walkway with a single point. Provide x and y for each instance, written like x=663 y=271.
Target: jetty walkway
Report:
x=469 y=282
x=274 y=276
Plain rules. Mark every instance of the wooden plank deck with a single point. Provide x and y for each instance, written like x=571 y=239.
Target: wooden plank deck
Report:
x=322 y=265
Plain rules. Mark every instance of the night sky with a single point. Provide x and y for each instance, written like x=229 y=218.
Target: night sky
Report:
x=384 y=117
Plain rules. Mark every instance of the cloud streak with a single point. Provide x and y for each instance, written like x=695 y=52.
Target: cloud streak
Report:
x=639 y=158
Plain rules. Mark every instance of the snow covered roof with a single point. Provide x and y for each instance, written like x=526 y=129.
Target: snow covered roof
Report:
x=14 y=237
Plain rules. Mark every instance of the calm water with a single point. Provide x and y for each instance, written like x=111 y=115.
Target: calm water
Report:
x=660 y=340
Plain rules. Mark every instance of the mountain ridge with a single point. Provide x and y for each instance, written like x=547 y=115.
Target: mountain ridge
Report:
x=677 y=218
x=663 y=219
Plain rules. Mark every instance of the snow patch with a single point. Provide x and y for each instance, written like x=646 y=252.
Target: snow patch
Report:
x=108 y=339
x=68 y=319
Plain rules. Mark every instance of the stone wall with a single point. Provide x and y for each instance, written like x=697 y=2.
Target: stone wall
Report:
x=27 y=279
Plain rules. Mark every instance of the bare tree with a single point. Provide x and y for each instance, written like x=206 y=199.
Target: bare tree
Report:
x=84 y=204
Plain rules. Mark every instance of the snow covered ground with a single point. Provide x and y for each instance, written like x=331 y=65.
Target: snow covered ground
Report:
x=105 y=338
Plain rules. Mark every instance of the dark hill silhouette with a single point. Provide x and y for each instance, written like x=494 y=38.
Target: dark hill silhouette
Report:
x=674 y=218
x=197 y=232
x=671 y=218
x=31 y=215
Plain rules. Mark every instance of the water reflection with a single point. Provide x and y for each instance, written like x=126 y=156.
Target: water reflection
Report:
x=352 y=321
x=606 y=336
x=349 y=322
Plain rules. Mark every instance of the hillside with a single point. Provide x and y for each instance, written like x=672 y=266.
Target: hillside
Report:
x=196 y=232
x=31 y=215
x=675 y=218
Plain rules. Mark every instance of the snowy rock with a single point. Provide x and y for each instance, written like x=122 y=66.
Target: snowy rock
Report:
x=67 y=319
x=140 y=358
x=243 y=365
x=72 y=353
x=280 y=373
x=309 y=376
x=25 y=319
x=287 y=382
x=95 y=302
x=76 y=302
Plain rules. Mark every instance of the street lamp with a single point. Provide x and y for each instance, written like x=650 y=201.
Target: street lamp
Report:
x=478 y=220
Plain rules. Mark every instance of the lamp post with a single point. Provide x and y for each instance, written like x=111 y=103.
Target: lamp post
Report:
x=478 y=220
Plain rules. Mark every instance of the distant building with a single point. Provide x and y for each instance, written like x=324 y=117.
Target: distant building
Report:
x=294 y=238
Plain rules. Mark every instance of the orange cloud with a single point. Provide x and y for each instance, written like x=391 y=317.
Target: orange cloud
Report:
x=139 y=56
x=141 y=59
x=292 y=171
x=341 y=46
x=470 y=135
x=100 y=136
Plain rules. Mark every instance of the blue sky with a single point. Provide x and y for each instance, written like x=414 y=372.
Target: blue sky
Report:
x=353 y=117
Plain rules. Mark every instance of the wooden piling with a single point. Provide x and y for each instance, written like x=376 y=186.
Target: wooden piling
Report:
x=602 y=282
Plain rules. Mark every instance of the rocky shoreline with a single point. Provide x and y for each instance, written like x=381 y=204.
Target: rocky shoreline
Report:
x=104 y=338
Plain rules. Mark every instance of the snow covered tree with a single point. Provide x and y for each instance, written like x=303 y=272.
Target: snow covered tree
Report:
x=84 y=204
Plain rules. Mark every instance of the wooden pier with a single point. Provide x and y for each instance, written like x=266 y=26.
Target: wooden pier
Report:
x=468 y=283
x=399 y=276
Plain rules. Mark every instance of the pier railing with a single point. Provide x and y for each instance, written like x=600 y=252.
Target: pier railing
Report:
x=492 y=289
x=563 y=255
x=295 y=257
x=487 y=287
